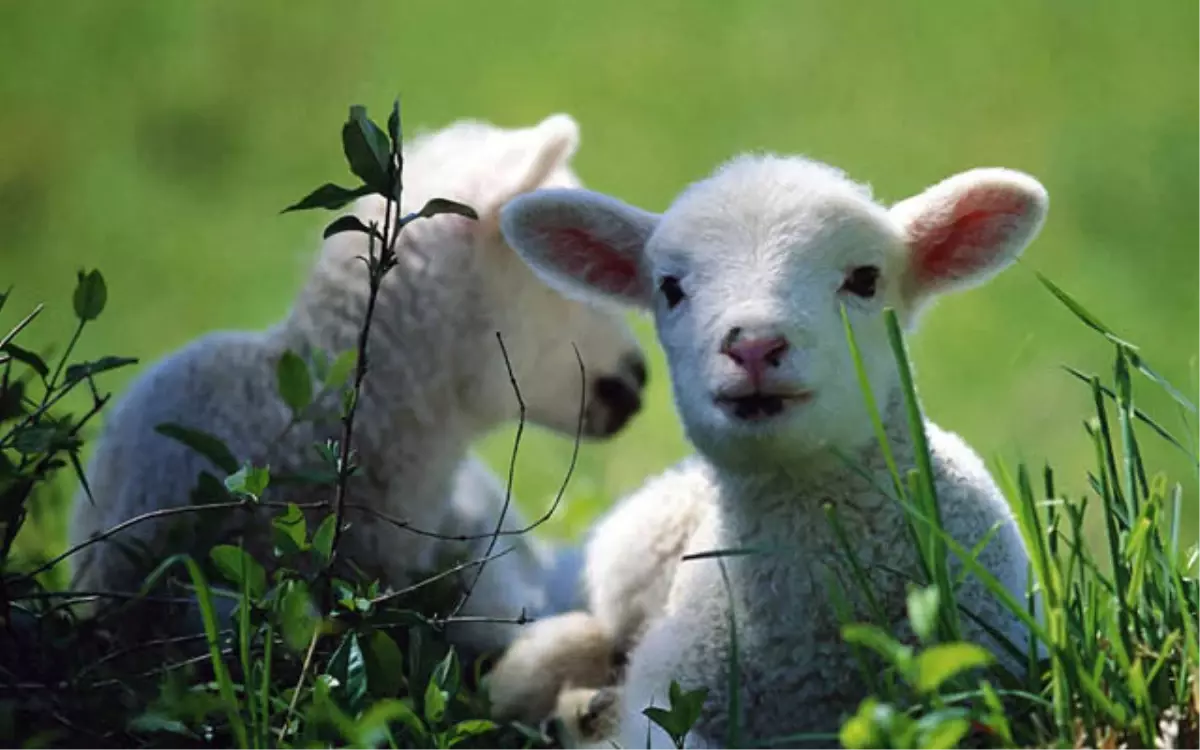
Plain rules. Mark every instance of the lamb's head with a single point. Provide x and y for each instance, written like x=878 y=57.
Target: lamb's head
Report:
x=747 y=273
x=486 y=166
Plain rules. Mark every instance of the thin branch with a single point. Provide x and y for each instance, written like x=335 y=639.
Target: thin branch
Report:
x=439 y=576
x=94 y=595
x=155 y=514
x=512 y=470
x=150 y=516
x=513 y=461
x=146 y=645
x=8 y=338
x=308 y=657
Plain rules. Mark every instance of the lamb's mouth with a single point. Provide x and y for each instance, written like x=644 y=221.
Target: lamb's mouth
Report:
x=753 y=407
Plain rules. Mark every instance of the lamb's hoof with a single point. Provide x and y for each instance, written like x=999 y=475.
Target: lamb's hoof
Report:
x=589 y=716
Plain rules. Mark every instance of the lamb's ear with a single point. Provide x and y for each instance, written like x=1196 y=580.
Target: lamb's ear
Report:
x=532 y=156
x=582 y=242
x=967 y=228
x=548 y=145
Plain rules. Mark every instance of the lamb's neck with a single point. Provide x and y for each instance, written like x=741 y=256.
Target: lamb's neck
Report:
x=755 y=504
x=410 y=410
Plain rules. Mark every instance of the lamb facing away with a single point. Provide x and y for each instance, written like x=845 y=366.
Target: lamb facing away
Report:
x=437 y=382
x=746 y=274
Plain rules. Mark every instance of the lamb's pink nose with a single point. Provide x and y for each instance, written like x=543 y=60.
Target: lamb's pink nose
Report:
x=755 y=355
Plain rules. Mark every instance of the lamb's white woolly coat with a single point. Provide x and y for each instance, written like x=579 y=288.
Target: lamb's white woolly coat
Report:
x=775 y=247
x=436 y=382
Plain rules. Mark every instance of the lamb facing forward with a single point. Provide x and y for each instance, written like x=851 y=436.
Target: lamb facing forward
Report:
x=746 y=274
x=437 y=382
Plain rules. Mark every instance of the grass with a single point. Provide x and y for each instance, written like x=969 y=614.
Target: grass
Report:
x=144 y=138
x=310 y=656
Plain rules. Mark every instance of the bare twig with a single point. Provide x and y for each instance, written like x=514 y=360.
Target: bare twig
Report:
x=156 y=514
x=513 y=464
x=144 y=646
x=512 y=470
x=94 y=595
x=8 y=338
x=308 y=657
x=439 y=576
x=150 y=516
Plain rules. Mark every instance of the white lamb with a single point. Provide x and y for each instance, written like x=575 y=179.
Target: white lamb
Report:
x=436 y=382
x=746 y=274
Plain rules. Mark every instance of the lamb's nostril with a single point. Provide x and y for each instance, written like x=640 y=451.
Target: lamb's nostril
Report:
x=774 y=355
x=637 y=368
x=756 y=354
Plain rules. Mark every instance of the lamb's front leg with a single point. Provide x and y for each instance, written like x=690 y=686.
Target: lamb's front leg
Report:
x=635 y=550
x=659 y=659
x=566 y=652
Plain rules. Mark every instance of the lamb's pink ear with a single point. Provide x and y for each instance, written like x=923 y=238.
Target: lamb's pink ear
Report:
x=582 y=242
x=965 y=229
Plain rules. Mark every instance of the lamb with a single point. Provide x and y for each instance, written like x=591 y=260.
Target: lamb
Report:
x=437 y=382
x=746 y=275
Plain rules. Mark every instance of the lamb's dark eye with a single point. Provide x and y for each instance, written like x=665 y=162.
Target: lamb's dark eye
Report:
x=671 y=290
x=862 y=281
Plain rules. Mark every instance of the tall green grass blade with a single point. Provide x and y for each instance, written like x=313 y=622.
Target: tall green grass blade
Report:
x=864 y=385
x=224 y=684
x=1082 y=312
x=866 y=588
x=734 y=736
x=916 y=423
x=1142 y=416
x=1107 y=466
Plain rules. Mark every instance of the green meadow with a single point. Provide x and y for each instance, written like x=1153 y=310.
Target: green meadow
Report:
x=157 y=141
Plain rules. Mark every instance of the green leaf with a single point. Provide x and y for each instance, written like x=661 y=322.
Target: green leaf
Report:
x=874 y=638
x=341 y=368
x=36 y=439
x=29 y=358
x=942 y=730
x=322 y=540
x=937 y=664
x=367 y=150
x=212 y=448
x=291 y=526
x=349 y=668
x=328 y=196
x=443 y=206
x=155 y=721
x=393 y=125
x=299 y=616
x=385 y=665
x=861 y=730
x=293 y=381
x=371 y=729
x=923 y=612
x=446 y=673
x=350 y=223
x=91 y=295
x=470 y=728
x=683 y=714
x=237 y=566
x=248 y=481
x=82 y=370
x=435 y=702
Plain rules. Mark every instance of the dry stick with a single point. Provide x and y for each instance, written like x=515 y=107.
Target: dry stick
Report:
x=308 y=656
x=152 y=515
x=143 y=646
x=512 y=465
x=439 y=576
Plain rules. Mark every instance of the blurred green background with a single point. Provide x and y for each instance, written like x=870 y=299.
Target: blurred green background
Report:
x=158 y=141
